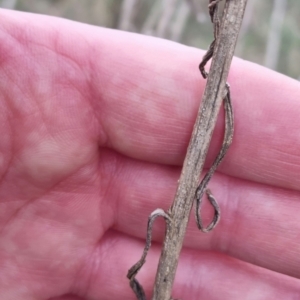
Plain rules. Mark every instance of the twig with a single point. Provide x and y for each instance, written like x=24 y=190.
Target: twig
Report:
x=274 y=35
x=181 y=17
x=152 y=18
x=128 y=11
x=229 y=128
x=222 y=50
x=9 y=4
x=169 y=7
x=247 y=24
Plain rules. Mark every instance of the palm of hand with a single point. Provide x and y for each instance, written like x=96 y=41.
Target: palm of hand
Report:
x=85 y=159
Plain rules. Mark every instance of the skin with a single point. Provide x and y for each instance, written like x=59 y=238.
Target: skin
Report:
x=94 y=128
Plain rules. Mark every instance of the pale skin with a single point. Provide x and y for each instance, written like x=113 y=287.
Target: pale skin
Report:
x=94 y=129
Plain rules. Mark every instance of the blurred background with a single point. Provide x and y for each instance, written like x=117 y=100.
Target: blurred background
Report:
x=270 y=34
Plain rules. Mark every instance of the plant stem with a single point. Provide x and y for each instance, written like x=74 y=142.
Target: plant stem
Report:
x=198 y=147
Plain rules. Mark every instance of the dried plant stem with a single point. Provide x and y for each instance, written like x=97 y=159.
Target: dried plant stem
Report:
x=197 y=150
x=222 y=50
x=128 y=11
x=169 y=7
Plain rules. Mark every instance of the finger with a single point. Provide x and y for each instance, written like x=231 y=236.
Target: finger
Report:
x=145 y=92
x=161 y=102
x=200 y=275
x=67 y=297
x=258 y=223
x=265 y=145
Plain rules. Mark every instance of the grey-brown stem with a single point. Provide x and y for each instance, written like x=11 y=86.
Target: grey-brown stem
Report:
x=197 y=150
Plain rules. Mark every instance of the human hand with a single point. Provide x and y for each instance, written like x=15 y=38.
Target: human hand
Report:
x=94 y=128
